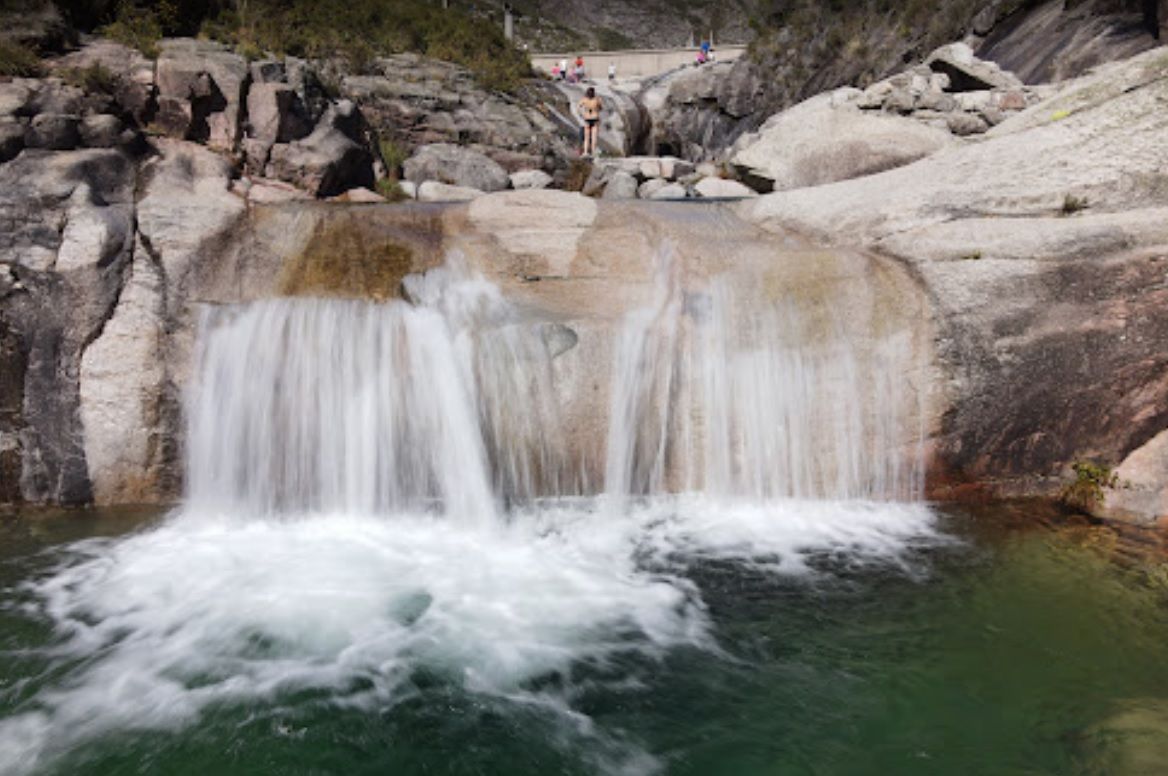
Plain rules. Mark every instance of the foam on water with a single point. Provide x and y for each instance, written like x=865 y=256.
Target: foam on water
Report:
x=206 y=611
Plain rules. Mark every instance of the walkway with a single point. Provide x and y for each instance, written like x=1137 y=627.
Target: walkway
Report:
x=635 y=63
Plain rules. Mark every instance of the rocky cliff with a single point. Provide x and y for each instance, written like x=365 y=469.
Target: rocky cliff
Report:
x=1013 y=234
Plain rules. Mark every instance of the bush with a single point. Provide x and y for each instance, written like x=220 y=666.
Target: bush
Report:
x=393 y=156
x=1073 y=204
x=136 y=26
x=19 y=61
x=1091 y=480
x=94 y=79
x=361 y=30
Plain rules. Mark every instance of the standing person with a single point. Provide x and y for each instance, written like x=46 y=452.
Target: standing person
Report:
x=564 y=68
x=579 y=67
x=612 y=71
x=590 y=108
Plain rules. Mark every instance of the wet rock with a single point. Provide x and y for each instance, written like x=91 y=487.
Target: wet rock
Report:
x=455 y=166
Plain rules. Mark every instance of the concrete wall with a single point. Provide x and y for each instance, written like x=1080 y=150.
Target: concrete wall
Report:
x=636 y=63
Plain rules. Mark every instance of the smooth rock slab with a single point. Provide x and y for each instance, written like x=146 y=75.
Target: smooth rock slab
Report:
x=435 y=191
x=530 y=179
x=455 y=166
x=723 y=189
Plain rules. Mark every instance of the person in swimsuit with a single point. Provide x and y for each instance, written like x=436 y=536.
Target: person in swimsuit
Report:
x=590 y=111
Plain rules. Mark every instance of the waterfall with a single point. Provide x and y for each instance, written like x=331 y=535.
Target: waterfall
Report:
x=761 y=425
x=450 y=402
x=720 y=392
x=324 y=405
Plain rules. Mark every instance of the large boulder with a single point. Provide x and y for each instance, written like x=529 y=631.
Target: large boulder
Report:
x=530 y=179
x=132 y=73
x=621 y=185
x=456 y=166
x=967 y=73
x=63 y=253
x=329 y=161
x=53 y=131
x=828 y=138
x=200 y=92
x=418 y=101
x=720 y=188
x=1043 y=247
x=436 y=191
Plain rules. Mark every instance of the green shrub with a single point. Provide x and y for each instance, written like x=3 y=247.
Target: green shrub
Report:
x=1088 y=489
x=19 y=61
x=391 y=190
x=1073 y=204
x=94 y=79
x=359 y=31
x=137 y=26
x=393 y=155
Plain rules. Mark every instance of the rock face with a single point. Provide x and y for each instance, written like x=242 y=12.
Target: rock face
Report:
x=201 y=92
x=1054 y=41
x=417 y=101
x=63 y=259
x=329 y=161
x=455 y=166
x=696 y=113
x=829 y=138
x=1044 y=248
x=1024 y=267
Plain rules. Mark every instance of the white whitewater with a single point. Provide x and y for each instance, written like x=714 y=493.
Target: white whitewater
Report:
x=313 y=405
x=365 y=486
x=719 y=394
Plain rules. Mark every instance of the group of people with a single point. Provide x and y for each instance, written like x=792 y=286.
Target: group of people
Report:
x=705 y=54
x=572 y=75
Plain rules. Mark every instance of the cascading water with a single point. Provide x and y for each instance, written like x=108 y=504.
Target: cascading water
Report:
x=716 y=393
x=367 y=519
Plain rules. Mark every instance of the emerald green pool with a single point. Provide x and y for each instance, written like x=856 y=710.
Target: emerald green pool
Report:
x=971 y=649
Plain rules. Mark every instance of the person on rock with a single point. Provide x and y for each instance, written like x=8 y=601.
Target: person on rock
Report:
x=590 y=108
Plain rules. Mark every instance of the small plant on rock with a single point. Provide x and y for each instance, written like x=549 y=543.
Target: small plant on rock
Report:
x=1073 y=204
x=1088 y=491
x=19 y=61
x=96 y=79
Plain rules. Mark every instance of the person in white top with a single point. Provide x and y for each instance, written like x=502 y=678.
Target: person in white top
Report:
x=612 y=71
